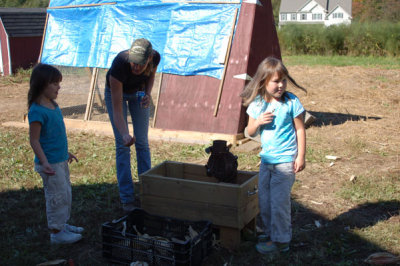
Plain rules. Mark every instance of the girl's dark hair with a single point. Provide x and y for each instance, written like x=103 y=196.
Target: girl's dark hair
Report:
x=42 y=75
x=267 y=68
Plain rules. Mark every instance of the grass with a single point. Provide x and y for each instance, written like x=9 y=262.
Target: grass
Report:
x=371 y=62
x=95 y=200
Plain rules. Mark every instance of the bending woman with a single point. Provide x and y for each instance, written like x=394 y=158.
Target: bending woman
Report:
x=131 y=71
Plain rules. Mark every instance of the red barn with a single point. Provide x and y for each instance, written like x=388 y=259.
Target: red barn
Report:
x=21 y=31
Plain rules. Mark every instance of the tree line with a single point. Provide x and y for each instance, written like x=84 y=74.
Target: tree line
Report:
x=363 y=10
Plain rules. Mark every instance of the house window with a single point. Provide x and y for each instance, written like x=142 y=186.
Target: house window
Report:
x=283 y=17
x=317 y=16
x=337 y=15
x=303 y=17
x=294 y=16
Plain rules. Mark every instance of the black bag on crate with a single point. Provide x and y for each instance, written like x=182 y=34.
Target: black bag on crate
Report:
x=222 y=164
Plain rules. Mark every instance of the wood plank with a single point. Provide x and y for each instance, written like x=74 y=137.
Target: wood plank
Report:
x=157 y=99
x=174 y=170
x=228 y=52
x=191 y=210
x=89 y=103
x=85 y=5
x=230 y=237
x=44 y=35
x=104 y=128
x=186 y=190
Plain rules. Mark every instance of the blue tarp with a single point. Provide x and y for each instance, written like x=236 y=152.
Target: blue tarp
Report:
x=191 y=38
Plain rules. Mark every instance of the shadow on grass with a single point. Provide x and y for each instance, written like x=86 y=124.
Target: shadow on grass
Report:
x=25 y=238
x=325 y=118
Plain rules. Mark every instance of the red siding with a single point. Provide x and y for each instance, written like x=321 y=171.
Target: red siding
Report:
x=24 y=51
x=187 y=102
x=4 y=50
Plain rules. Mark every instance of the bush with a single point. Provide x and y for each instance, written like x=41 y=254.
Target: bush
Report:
x=357 y=39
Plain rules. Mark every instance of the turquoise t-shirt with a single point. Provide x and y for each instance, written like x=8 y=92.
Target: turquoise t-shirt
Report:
x=278 y=139
x=53 y=137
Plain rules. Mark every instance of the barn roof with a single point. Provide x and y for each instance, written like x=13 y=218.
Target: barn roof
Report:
x=23 y=22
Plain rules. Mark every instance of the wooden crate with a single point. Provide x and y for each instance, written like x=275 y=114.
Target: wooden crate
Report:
x=184 y=191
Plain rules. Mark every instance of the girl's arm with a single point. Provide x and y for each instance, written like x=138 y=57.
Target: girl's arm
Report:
x=34 y=135
x=116 y=99
x=300 y=162
x=149 y=86
x=254 y=124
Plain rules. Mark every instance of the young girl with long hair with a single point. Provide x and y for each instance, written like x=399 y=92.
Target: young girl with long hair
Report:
x=48 y=140
x=279 y=117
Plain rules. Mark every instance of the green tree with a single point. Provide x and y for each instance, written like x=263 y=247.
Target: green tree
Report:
x=275 y=9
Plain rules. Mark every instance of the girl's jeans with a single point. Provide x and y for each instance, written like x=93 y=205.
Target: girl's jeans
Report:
x=140 y=120
x=57 y=191
x=274 y=185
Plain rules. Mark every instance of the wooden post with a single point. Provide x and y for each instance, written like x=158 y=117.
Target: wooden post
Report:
x=89 y=104
x=228 y=51
x=44 y=35
x=97 y=89
x=158 y=97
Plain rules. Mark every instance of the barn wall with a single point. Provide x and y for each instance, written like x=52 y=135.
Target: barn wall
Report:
x=4 y=50
x=24 y=51
x=188 y=102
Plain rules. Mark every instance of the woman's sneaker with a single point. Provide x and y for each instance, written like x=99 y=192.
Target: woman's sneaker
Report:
x=64 y=237
x=73 y=229
x=269 y=247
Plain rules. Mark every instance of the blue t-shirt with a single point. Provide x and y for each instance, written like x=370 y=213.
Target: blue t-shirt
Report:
x=53 y=137
x=278 y=139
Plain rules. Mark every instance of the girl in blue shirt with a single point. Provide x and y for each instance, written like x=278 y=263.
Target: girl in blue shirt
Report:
x=48 y=140
x=279 y=117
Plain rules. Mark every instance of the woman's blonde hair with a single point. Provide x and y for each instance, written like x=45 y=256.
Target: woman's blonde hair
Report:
x=267 y=68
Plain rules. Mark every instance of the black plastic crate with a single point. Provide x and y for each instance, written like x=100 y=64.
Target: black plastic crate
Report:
x=156 y=240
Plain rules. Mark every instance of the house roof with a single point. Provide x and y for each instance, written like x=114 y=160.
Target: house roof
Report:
x=23 y=22
x=292 y=6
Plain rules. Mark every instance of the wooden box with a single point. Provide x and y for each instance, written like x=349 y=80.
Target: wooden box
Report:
x=184 y=191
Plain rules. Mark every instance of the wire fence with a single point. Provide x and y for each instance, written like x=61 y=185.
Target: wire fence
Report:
x=74 y=93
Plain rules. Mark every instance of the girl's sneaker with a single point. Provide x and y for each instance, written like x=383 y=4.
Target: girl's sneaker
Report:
x=269 y=247
x=73 y=229
x=64 y=237
x=263 y=238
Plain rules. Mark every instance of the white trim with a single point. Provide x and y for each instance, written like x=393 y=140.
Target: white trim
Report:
x=243 y=76
x=256 y=2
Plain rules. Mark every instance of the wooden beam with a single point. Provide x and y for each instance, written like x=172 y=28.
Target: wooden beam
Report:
x=86 y=5
x=158 y=97
x=228 y=51
x=89 y=104
x=44 y=35
x=97 y=89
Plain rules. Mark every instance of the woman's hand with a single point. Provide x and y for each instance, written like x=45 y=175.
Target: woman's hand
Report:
x=145 y=102
x=128 y=140
x=71 y=157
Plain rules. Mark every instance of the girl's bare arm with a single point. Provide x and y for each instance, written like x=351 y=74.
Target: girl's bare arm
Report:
x=300 y=162
x=34 y=136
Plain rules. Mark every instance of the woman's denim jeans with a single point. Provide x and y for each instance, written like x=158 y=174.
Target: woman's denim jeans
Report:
x=140 y=120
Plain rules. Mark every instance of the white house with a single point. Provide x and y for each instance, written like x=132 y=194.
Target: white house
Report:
x=327 y=12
